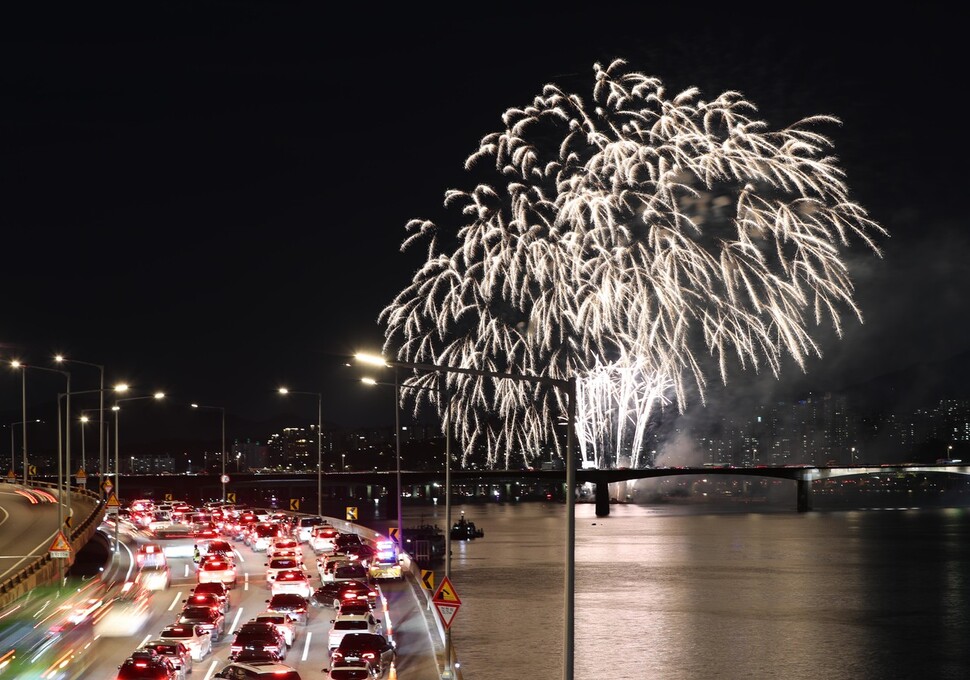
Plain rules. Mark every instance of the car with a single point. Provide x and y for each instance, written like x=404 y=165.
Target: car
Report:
x=263 y=534
x=353 y=571
x=304 y=525
x=147 y=665
x=354 y=607
x=196 y=638
x=323 y=539
x=209 y=618
x=282 y=622
x=258 y=636
x=351 y=671
x=217 y=588
x=329 y=563
x=258 y=671
x=208 y=600
x=216 y=547
x=294 y=606
x=176 y=652
x=346 y=622
x=291 y=581
x=218 y=570
x=126 y=612
x=290 y=545
x=150 y=554
x=374 y=649
x=154 y=577
x=333 y=594
x=363 y=552
x=280 y=564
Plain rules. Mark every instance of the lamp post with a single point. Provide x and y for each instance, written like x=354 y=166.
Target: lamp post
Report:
x=222 y=478
x=101 y=462
x=319 y=397
x=12 y=444
x=117 y=410
x=569 y=386
x=397 y=443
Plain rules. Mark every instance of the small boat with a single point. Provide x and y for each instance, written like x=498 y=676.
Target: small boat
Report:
x=425 y=543
x=463 y=530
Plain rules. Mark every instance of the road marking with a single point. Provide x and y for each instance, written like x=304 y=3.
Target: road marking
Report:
x=145 y=641
x=178 y=596
x=212 y=669
x=246 y=581
x=306 y=646
x=235 y=621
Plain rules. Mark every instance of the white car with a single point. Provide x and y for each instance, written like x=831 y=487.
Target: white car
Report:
x=222 y=571
x=154 y=577
x=293 y=581
x=353 y=623
x=323 y=539
x=329 y=564
x=280 y=564
x=196 y=638
x=282 y=622
x=284 y=545
x=305 y=525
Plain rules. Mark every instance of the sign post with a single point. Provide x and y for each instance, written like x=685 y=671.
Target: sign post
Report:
x=60 y=549
x=447 y=602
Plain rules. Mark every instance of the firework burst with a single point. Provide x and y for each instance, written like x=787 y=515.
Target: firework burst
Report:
x=632 y=242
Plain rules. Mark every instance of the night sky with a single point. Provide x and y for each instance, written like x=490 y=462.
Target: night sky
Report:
x=208 y=198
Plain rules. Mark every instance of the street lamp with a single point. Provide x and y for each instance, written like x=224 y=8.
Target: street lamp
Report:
x=222 y=478
x=12 y=445
x=569 y=386
x=397 y=443
x=101 y=462
x=319 y=397
x=117 y=487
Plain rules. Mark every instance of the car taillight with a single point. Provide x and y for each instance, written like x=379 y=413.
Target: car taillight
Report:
x=337 y=655
x=368 y=655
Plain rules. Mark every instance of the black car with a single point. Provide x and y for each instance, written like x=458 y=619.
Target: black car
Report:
x=371 y=648
x=294 y=606
x=258 y=638
x=333 y=594
x=147 y=665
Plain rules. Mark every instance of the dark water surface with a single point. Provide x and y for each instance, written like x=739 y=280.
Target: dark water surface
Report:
x=669 y=592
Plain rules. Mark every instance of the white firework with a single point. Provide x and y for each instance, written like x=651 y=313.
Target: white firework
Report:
x=630 y=243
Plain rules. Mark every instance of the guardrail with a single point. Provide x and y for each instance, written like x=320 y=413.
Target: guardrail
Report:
x=44 y=569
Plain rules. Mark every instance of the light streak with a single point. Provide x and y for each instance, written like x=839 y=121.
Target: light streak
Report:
x=640 y=243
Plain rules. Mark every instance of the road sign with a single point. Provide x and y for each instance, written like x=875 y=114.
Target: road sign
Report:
x=446 y=601
x=107 y=485
x=168 y=497
x=351 y=513
x=60 y=548
x=427 y=578
x=393 y=535
x=67 y=522
x=32 y=470
x=113 y=502
x=81 y=474
x=294 y=505
x=11 y=475
x=224 y=479
x=230 y=497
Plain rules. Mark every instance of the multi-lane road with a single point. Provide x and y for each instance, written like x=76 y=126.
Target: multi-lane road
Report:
x=403 y=609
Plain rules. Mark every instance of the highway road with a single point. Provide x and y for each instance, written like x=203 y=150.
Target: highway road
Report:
x=405 y=617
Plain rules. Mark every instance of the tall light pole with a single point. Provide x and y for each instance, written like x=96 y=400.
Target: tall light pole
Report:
x=569 y=387
x=319 y=397
x=101 y=461
x=117 y=409
x=397 y=443
x=222 y=478
x=23 y=405
x=12 y=444
x=84 y=421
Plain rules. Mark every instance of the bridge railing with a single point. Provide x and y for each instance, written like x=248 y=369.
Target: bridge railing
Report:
x=44 y=569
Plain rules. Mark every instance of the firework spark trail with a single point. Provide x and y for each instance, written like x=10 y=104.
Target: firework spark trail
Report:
x=629 y=243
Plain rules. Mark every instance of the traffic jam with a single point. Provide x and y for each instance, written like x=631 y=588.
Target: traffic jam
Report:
x=322 y=600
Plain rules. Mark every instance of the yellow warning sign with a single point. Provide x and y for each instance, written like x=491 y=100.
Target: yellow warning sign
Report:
x=67 y=522
x=446 y=593
x=230 y=497
x=351 y=513
x=427 y=578
x=168 y=496
x=81 y=474
x=11 y=475
x=393 y=535
x=32 y=469
x=294 y=505
x=107 y=485
x=60 y=547
x=113 y=502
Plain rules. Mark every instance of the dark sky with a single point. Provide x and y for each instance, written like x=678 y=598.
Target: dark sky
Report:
x=209 y=197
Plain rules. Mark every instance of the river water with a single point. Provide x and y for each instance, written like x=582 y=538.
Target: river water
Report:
x=699 y=591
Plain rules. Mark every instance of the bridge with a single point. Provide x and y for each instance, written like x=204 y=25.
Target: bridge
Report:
x=379 y=485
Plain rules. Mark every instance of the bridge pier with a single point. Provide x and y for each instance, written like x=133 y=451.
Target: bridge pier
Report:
x=804 y=493
x=602 y=499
